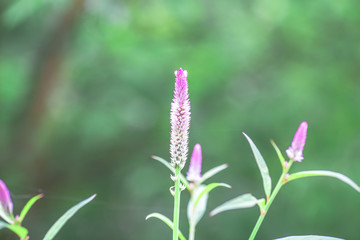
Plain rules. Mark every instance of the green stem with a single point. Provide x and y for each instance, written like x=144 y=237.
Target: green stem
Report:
x=277 y=188
x=176 y=204
x=192 y=231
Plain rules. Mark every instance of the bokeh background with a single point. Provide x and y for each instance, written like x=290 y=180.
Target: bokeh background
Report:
x=85 y=92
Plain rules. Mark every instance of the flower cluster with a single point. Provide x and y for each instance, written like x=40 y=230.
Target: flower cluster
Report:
x=180 y=120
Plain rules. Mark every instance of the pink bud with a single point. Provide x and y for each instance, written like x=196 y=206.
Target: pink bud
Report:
x=180 y=120
x=6 y=205
x=295 y=151
x=194 y=173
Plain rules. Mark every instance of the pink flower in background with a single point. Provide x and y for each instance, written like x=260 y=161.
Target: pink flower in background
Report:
x=180 y=120
x=6 y=205
x=194 y=173
x=295 y=151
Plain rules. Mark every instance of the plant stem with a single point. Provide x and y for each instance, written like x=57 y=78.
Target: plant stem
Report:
x=277 y=188
x=176 y=204
x=192 y=231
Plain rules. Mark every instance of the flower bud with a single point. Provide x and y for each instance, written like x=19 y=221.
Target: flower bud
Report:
x=6 y=205
x=194 y=173
x=295 y=151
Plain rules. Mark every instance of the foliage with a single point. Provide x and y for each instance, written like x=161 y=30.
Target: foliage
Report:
x=258 y=66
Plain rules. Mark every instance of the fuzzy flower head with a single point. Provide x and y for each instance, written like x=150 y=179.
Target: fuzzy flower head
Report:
x=194 y=173
x=295 y=151
x=180 y=120
x=6 y=205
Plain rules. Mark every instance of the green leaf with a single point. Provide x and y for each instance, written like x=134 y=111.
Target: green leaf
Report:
x=168 y=165
x=309 y=237
x=28 y=206
x=3 y=224
x=165 y=220
x=212 y=172
x=280 y=156
x=196 y=211
x=316 y=173
x=262 y=166
x=64 y=218
x=19 y=230
x=208 y=188
x=244 y=201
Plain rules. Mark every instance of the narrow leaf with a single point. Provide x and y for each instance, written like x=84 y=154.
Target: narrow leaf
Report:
x=196 y=212
x=64 y=218
x=262 y=166
x=3 y=224
x=309 y=237
x=168 y=165
x=166 y=221
x=315 y=173
x=278 y=152
x=244 y=201
x=208 y=188
x=19 y=230
x=212 y=172
x=28 y=206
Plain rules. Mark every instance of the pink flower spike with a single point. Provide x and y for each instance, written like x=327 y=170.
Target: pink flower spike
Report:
x=295 y=151
x=194 y=173
x=6 y=205
x=180 y=120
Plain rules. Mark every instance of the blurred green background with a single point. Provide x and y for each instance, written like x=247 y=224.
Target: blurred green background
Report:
x=85 y=92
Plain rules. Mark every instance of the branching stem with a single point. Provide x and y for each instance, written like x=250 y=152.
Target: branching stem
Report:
x=277 y=188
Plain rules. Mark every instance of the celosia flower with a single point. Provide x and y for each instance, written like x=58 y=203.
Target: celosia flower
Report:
x=6 y=205
x=194 y=173
x=180 y=120
x=295 y=151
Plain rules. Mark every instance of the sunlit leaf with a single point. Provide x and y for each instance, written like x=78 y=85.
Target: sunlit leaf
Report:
x=278 y=152
x=28 y=206
x=309 y=237
x=262 y=166
x=19 y=230
x=317 y=173
x=64 y=218
x=212 y=172
x=165 y=220
x=197 y=203
x=196 y=212
x=244 y=201
x=3 y=224
x=208 y=188
x=168 y=165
